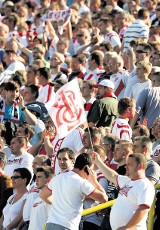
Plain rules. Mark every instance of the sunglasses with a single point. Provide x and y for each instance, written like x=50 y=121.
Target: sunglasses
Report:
x=15 y=177
x=80 y=35
x=140 y=51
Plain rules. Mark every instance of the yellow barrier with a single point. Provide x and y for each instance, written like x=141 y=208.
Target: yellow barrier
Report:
x=98 y=207
x=152 y=210
x=110 y=203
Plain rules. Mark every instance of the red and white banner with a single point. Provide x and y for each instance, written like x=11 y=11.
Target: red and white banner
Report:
x=67 y=109
x=61 y=15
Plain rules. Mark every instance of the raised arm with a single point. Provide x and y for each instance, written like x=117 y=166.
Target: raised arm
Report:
x=109 y=173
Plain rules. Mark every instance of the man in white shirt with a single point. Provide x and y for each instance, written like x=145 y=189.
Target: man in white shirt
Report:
x=70 y=198
x=121 y=127
x=39 y=207
x=13 y=65
x=136 y=193
x=19 y=158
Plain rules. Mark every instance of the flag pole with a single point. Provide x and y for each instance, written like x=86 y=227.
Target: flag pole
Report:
x=90 y=137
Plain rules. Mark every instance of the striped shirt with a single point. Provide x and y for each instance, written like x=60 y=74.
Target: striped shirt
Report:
x=137 y=30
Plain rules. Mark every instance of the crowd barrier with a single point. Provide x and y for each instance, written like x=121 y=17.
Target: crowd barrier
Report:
x=110 y=203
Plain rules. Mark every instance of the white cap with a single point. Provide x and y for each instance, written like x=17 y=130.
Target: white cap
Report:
x=106 y=83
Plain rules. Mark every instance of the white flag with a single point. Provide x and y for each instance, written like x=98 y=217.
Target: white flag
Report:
x=67 y=109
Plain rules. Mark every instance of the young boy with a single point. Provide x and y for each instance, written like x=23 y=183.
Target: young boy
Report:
x=143 y=70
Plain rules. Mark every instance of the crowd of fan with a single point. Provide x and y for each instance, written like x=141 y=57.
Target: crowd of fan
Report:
x=113 y=48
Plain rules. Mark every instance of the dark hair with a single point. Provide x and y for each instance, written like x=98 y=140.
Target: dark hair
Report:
x=106 y=21
x=147 y=47
x=111 y=140
x=10 y=52
x=142 y=13
x=82 y=160
x=27 y=129
x=45 y=72
x=34 y=90
x=47 y=170
x=68 y=151
x=124 y=103
x=24 y=173
x=80 y=57
x=108 y=46
x=139 y=159
x=11 y=86
x=17 y=78
x=97 y=57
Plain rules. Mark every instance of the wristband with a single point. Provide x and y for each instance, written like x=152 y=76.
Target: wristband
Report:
x=23 y=108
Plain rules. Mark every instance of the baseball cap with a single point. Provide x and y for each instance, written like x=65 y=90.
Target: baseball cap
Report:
x=35 y=108
x=106 y=83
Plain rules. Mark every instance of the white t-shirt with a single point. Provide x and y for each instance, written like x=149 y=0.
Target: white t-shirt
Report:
x=139 y=87
x=11 y=210
x=23 y=161
x=94 y=75
x=17 y=65
x=68 y=191
x=32 y=194
x=72 y=141
x=122 y=129
x=39 y=214
x=113 y=38
x=120 y=80
x=132 y=194
x=46 y=93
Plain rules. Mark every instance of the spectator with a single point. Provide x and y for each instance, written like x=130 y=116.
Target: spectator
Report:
x=126 y=110
x=6 y=188
x=122 y=150
x=57 y=60
x=78 y=67
x=140 y=130
x=134 y=211
x=104 y=110
x=76 y=177
x=143 y=70
x=139 y=29
x=39 y=207
x=19 y=158
x=119 y=76
x=144 y=145
x=89 y=94
x=95 y=63
x=148 y=102
x=12 y=213
x=46 y=92
x=106 y=29
x=9 y=106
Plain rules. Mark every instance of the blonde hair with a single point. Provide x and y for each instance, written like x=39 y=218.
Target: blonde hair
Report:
x=146 y=65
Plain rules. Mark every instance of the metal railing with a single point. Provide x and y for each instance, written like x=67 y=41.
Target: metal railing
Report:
x=110 y=203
